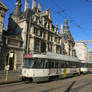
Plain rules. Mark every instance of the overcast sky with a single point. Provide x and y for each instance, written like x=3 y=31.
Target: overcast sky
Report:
x=78 y=12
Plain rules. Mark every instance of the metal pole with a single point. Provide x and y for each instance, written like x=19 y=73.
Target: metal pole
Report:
x=8 y=65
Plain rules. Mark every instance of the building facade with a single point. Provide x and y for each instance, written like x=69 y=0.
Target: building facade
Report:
x=90 y=56
x=3 y=10
x=32 y=31
x=81 y=51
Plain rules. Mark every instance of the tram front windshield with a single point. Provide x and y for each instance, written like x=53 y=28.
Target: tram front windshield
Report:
x=28 y=62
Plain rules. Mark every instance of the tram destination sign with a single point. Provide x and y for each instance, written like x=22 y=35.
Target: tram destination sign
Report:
x=28 y=56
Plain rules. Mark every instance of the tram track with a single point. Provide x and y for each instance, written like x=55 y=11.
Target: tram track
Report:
x=63 y=85
x=16 y=83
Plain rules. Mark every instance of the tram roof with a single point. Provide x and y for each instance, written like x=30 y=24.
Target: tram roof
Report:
x=86 y=61
x=55 y=57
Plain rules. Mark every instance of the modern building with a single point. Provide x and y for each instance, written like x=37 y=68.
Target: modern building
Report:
x=90 y=56
x=32 y=31
x=81 y=50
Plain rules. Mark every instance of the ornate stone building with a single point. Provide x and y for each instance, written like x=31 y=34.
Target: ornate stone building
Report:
x=68 y=40
x=3 y=9
x=32 y=31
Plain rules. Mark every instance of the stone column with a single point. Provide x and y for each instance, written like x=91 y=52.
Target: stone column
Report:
x=50 y=26
x=31 y=45
x=32 y=30
x=26 y=5
x=43 y=21
x=54 y=48
x=40 y=45
x=15 y=60
x=46 y=36
x=1 y=26
x=33 y=4
x=47 y=25
x=46 y=46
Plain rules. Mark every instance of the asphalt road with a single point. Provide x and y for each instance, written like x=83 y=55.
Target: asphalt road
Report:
x=81 y=83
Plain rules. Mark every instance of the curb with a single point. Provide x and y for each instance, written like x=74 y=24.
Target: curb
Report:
x=9 y=82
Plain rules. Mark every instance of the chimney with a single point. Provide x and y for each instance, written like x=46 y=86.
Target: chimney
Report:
x=39 y=7
x=33 y=4
x=26 y=5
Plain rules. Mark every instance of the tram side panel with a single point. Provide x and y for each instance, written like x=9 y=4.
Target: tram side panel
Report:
x=36 y=74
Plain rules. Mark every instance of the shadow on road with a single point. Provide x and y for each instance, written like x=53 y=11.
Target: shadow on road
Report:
x=69 y=88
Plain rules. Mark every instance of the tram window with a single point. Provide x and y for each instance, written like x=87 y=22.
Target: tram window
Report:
x=64 y=64
x=56 y=65
x=82 y=65
x=37 y=63
x=61 y=64
x=49 y=64
x=77 y=65
x=74 y=65
x=88 y=65
x=67 y=64
x=45 y=64
x=52 y=64
x=42 y=63
x=28 y=62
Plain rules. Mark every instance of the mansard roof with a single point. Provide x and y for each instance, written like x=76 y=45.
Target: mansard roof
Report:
x=3 y=6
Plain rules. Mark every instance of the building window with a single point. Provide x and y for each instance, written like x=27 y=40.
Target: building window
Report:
x=58 y=50
x=50 y=47
x=36 y=31
x=37 y=45
x=44 y=35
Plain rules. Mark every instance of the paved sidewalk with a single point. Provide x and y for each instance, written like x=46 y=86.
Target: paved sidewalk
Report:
x=13 y=76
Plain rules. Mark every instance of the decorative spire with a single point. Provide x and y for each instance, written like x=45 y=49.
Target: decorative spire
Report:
x=48 y=12
x=26 y=5
x=56 y=25
x=17 y=10
x=39 y=7
x=61 y=28
x=33 y=4
x=67 y=31
x=56 y=28
x=66 y=27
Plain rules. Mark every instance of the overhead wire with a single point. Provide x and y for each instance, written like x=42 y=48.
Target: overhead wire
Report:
x=72 y=21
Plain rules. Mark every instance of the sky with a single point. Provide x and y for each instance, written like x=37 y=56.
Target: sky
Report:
x=78 y=13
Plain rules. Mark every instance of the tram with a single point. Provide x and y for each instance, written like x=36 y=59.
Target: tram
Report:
x=49 y=66
x=86 y=66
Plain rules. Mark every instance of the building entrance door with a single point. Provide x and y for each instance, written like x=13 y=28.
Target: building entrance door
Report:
x=11 y=61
